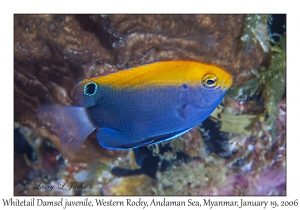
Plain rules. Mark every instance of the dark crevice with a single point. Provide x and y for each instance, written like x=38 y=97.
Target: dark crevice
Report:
x=105 y=38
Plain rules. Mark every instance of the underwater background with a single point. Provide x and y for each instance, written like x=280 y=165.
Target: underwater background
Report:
x=239 y=150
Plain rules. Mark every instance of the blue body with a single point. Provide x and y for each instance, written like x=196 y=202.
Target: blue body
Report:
x=134 y=117
x=131 y=117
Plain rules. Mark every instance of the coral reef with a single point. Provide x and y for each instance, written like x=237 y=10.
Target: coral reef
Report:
x=131 y=185
x=240 y=150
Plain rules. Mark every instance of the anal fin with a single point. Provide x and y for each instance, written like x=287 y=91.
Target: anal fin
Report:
x=119 y=140
x=116 y=140
x=165 y=137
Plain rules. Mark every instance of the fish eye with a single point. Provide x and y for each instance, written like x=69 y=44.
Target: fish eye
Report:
x=90 y=89
x=210 y=81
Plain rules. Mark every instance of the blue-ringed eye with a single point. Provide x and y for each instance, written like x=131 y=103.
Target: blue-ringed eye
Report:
x=90 y=89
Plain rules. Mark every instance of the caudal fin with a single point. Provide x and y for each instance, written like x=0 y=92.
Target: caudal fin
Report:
x=70 y=124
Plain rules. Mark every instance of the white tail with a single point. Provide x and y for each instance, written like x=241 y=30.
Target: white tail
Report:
x=70 y=124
